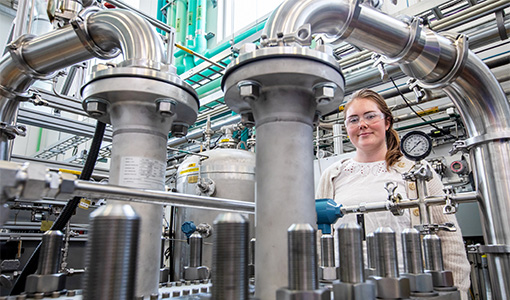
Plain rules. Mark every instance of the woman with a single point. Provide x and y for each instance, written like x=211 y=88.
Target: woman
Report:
x=378 y=160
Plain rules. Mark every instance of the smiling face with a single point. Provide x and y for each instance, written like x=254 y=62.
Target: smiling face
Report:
x=369 y=134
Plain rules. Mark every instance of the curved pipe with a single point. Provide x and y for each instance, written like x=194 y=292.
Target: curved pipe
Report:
x=437 y=62
x=100 y=35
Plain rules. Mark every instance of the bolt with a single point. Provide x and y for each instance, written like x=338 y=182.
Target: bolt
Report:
x=176 y=293
x=247 y=119
x=165 y=295
x=71 y=293
x=95 y=108
x=165 y=107
x=249 y=90
x=324 y=93
x=55 y=294
x=154 y=296
x=179 y=130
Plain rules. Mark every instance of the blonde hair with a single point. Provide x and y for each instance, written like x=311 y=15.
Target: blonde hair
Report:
x=393 y=154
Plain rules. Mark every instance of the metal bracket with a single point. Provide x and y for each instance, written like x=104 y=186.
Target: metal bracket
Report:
x=379 y=63
x=11 y=131
x=465 y=145
x=450 y=206
x=395 y=199
x=431 y=228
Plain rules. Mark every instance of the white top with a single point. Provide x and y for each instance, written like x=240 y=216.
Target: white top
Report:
x=350 y=183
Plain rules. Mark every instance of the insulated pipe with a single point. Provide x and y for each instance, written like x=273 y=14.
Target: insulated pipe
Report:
x=437 y=62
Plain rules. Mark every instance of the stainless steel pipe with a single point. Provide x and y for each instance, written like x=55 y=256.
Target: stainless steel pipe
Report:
x=195 y=252
x=433 y=253
x=327 y=250
x=386 y=259
x=51 y=251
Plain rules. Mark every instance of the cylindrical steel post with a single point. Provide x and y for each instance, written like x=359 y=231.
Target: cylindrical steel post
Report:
x=411 y=247
x=327 y=250
x=386 y=245
x=51 y=249
x=338 y=147
x=371 y=251
x=351 y=253
x=433 y=253
x=302 y=258
x=195 y=250
x=111 y=253
x=230 y=257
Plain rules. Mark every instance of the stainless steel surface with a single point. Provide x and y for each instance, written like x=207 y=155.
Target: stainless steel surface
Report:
x=233 y=173
x=111 y=255
x=51 y=252
x=139 y=42
x=153 y=21
x=351 y=253
x=371 y=253
x=386 y=245
x=195 y=246
x=302 y=258
x=433 y=253
x=284 y=111
x=230 y=258
x=327 y=251
x=411 y=250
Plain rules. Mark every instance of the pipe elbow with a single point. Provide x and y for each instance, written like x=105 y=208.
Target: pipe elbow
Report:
x=297 y=21
x=124 y=30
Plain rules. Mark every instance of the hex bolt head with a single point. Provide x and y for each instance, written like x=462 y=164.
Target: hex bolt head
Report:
x=249 y=90
x=179 y=130
x=95 y=108
x=324 y=93
x=166 y=107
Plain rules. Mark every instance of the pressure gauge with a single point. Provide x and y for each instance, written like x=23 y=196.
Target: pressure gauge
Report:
x=416 y=145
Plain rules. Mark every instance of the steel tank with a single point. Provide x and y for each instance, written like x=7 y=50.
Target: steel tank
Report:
x=223 y=173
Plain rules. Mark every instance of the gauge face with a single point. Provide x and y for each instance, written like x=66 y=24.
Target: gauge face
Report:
x=416 y=145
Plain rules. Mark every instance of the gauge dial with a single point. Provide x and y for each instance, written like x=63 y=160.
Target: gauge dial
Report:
x=416 y=145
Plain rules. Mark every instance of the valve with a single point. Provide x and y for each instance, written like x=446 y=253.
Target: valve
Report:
x=419 y=92
x=188 y=228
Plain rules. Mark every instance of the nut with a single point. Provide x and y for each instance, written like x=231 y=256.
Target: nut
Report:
x=95 y=108
x=420 y=283
x=286 y=294
x=166 y=107
x=45 y=283
x=324 y=93
x=441 y=278
x=354 y=291
x=391 y=287
x=247 y=119
x=249 y=90
x=179 y=130
x=328 y=273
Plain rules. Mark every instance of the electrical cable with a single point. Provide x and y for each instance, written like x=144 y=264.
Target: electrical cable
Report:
x=417 y=114
x=67 y=212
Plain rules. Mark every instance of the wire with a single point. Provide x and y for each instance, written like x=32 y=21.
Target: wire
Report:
x=417 y=114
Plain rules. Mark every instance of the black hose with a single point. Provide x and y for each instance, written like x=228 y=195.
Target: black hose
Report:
x=67 y=212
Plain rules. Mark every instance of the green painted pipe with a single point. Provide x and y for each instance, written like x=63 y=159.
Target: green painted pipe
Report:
x=200 y=21
x=189 y=60
x=159 y=14
x=39 y=138
x=181 y=11
x=216 y=83
x=171 y=13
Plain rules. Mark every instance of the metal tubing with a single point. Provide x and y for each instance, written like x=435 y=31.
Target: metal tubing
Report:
x=111 y=253
x=327 y=251
x=411 y=250
x=195 y=252
x=386 y=245
x=149 y=19
x=139 y=42
x=433 y=253
x=230 y=258
x=51 y=250
x=337 y=140
x=302 y=258
x=97 y=190
x=351 y=253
